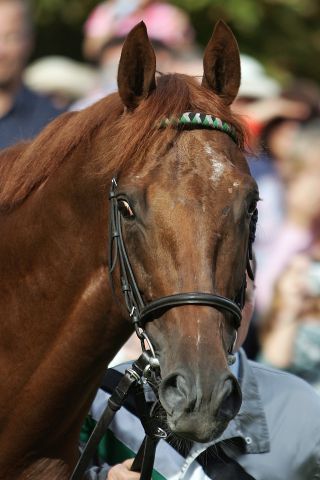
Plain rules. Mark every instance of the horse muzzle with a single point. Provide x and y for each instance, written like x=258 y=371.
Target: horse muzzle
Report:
x=196 y=416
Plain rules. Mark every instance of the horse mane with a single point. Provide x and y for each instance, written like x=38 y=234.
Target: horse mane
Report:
x=46 y=469
x=27 y=165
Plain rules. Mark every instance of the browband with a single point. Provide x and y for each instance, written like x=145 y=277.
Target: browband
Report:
x=201 y=120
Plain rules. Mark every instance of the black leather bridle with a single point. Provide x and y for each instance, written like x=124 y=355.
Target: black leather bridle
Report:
x=141 y=313
x=146 y=367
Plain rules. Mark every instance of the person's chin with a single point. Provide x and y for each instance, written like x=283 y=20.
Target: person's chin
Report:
x=6 y=82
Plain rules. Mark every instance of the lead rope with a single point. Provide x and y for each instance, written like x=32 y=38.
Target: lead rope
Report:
x=132 y=377
x=144 y=460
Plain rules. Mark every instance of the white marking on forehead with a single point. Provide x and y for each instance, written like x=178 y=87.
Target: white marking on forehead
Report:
x=218 y=163
x=217 y=170
x=208 y=149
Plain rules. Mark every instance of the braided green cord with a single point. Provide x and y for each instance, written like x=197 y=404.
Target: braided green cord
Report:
x=202 y=120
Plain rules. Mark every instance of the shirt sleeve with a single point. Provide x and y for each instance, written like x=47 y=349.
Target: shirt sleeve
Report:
x=97 y=473
x=96 y=470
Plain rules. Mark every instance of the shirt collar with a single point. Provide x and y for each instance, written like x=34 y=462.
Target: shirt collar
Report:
x=250 y=424
x=235 y=368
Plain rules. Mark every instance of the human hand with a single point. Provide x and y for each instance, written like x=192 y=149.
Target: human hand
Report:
x=122 y=471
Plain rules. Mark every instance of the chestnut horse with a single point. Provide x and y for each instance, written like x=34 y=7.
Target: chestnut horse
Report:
x=186 y=197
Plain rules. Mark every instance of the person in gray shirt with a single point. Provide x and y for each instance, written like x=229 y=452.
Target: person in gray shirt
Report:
x=275 y=435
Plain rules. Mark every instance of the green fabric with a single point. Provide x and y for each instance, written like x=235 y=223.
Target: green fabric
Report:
x=110 y=449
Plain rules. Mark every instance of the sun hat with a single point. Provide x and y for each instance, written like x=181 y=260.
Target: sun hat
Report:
x=58 y=74
x=115 y=18
x=255 y=82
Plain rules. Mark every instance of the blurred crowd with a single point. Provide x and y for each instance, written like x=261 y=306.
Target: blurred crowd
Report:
x=283 y=153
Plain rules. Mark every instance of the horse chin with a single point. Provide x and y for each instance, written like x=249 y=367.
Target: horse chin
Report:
x=191 y=428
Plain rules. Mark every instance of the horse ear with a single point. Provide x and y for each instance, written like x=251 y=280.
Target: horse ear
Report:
x=137 y=67
x=221 y=63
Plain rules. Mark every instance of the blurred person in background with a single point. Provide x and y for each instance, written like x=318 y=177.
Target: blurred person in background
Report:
x=300 y=227
x=115 y=18
x=274 y=117
x=298 y=105
x=290 y=333
x=23 y=113
x=108 y=24
x=272 y=120
x=290 y=286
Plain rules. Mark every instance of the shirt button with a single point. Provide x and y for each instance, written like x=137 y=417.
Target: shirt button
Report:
x=248 y=440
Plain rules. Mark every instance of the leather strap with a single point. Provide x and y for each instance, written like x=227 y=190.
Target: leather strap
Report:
x=128 y=380
x=220 y=466
x=144 y=459
x=160 y=306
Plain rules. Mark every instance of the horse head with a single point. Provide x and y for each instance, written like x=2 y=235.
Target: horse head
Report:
x=184 y=208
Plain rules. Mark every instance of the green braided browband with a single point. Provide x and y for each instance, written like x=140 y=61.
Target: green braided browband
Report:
x=202 y=120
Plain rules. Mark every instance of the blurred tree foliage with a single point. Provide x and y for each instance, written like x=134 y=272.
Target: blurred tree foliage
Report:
x=283 y=34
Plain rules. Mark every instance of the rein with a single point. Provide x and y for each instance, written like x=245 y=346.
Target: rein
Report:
x=147 y=366
x=132 y=378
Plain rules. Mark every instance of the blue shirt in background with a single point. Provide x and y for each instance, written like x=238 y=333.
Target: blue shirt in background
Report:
x=29 y=114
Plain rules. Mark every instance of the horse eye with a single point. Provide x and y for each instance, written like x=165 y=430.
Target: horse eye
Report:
x=252 y=207
x=125 y=209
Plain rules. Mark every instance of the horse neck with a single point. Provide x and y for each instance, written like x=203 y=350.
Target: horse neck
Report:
x=68 y=325
x=61 y=243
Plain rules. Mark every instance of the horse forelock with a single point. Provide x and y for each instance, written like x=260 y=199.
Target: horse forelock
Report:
x=127 y=136
x=174 y=95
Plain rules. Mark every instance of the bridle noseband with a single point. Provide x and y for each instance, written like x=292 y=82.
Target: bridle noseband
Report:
x=141 y=313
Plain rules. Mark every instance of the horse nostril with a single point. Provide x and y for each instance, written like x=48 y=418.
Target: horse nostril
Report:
x=231 y=400
x=176 y=393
